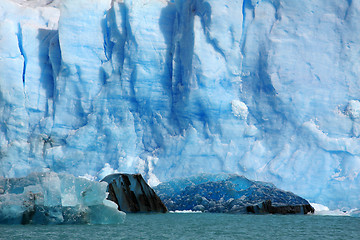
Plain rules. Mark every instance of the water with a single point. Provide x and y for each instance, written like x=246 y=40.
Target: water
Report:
x=198 y=226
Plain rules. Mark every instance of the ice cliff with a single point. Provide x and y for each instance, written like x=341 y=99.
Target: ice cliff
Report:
x=268 y=89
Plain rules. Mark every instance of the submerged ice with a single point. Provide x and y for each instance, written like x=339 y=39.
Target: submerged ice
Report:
x=266 y=89
x=51 y=198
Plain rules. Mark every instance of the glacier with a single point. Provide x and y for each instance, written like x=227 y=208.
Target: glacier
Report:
x=268 y=89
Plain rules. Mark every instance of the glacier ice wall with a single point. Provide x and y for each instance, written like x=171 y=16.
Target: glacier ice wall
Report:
x=268 y=89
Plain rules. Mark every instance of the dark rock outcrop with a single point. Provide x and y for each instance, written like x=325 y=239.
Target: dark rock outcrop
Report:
x=267 y=207
x=132 y=194
x=229 y=193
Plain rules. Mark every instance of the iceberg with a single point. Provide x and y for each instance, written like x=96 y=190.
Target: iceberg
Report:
x=132 y=194
x=174 y=88
x=229 y=193
x=51 y=198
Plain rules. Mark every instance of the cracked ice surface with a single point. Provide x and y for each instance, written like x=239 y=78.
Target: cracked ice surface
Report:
x=266 y=89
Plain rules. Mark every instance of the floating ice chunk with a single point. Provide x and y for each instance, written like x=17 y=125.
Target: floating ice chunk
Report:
x=229 y=193
x=239 y=109
x=185 y=211
x=131 y=193
x=50 y=198
x=336 y=212
x=324 y=210
x=106 y=213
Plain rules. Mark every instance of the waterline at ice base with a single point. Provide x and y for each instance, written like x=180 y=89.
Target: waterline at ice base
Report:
x=268 y=89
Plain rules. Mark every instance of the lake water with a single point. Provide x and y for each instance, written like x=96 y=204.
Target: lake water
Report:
x=198 y=226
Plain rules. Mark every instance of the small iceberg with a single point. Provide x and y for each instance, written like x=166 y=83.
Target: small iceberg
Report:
x=229 y=193
x=325 y=211
x=132 y=194
x=52 y=198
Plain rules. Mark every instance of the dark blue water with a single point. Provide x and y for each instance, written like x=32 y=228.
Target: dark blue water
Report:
x=198 y=226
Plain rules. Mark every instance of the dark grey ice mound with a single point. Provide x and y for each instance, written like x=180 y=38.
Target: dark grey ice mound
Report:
x=229 y=193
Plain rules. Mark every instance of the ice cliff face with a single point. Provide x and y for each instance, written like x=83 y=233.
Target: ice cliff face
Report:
x=268 y=89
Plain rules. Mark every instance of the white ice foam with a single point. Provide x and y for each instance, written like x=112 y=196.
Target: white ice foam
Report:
x=185 y=211
x=325 y=211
